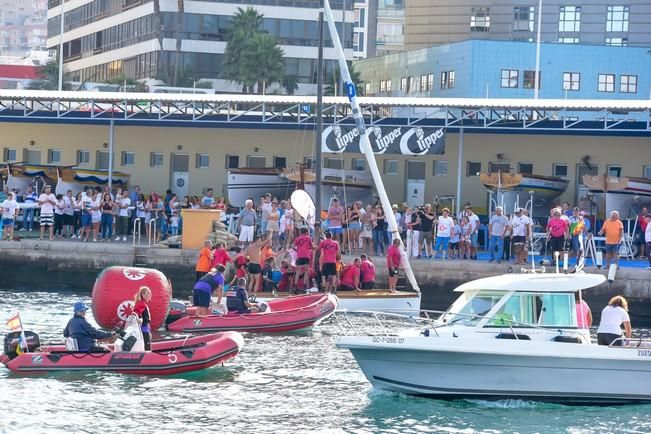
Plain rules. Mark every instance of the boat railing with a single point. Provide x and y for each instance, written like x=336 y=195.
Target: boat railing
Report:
x=425 y=317
x=641 y=343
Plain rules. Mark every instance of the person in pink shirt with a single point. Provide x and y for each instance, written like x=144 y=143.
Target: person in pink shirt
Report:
x=367 y=273
x=303 y=246
x=583 y=312
x=350 y=276
x=220 y=256
x=557 y=230
x=393 y=263
x=329 y=249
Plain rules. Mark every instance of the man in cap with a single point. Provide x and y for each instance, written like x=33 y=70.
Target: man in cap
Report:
x=84 y=333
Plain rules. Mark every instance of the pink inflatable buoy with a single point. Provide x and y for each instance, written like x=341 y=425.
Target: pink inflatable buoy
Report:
x=115 y=288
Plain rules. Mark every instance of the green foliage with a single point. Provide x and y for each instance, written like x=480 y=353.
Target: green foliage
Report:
x=329 y=88
x=290 y=84
x=49 y=78
x=252 y=56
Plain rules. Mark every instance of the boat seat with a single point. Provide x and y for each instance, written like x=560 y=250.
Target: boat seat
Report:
x=568 y=339
x=513 y=336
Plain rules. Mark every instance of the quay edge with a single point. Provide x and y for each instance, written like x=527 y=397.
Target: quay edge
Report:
x=64 y=265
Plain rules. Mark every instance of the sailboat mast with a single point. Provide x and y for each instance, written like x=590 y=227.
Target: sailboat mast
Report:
x=364 y=143
x=318 y=133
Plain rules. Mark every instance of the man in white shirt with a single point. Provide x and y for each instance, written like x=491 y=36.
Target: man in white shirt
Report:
x=69 y=215
x=444 y=230
x=124 y=203
x=47 y=201
x=521 y=226
x=473 y=220
x=9 y=207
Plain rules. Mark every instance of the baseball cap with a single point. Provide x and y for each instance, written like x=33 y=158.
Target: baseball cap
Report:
x=80 y=306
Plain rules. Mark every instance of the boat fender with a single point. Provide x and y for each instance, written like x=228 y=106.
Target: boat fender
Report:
x=612 y=272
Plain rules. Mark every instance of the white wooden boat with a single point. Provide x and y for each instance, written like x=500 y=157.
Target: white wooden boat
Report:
x=78 y=179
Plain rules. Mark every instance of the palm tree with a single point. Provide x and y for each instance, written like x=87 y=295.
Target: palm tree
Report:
x=290 y=84
x=49 y=78
x=263 y=59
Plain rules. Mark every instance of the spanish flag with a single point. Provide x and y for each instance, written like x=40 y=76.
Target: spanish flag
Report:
x=15 y=324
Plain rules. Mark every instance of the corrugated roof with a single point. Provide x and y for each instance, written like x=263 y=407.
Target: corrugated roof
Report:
x=497 y=103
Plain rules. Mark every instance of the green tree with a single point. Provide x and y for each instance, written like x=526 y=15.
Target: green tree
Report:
x=290 y=84
x=252 y=56
x=335 y=82
x=49 y=78
x=131 y=84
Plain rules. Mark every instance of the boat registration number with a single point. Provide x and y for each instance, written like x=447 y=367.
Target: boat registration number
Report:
x=644 y=353
x=388 y=340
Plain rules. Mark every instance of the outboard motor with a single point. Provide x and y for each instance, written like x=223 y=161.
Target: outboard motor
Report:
x=177 y=311
x=12 y=341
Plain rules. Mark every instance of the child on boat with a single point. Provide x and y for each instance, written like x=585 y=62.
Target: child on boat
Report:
x=141 y=308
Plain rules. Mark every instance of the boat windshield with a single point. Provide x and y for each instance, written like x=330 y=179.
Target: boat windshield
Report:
x=471 y=307
x=538 y=309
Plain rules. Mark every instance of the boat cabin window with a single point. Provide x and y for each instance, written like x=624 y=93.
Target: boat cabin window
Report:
x=471 y=307
x=523 y=309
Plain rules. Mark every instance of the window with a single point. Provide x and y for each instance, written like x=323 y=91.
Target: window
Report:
x=404 y=85
x=521 y=309
x=309 y=162
x=83 y=157
x=473 y=168
x=480 y=20
x=571 y=81
x=560 y=170
x=390 y=167
x=203 y=161
x=526 y=168
x=566 y=40
x=358 y=164
x=447 y=79
x=362 y=18
x=53 y=156
x=102 y=160
x=523 y=18
x=628 y=83
x=440 y=168
x=280 y=162
x=32 y=156
x=388 y=84
x=9 y=155
x=383 y=86
x=569 y=19
x=367 y=88
x=529 y=79
x=128 y=158
x=255 y=161
x=606 y=83
x=647 y=172
x=426 y=82
x=333 y=163
x=615 y=171
x=494 y=167
x=617 y=42
x=156 y=159
x=232 y=161
x=617 y=19
x=510 y=78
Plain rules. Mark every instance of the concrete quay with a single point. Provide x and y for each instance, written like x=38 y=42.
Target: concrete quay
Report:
x=31 y=264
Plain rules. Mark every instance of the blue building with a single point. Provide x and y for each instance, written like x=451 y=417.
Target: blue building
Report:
x=506 y=69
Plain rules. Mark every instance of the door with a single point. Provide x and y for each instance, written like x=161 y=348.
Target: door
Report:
x=591 y=202
x=179 y=174
x=415 y=183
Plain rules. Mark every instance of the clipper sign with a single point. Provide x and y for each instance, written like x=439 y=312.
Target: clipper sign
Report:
x=385 y=140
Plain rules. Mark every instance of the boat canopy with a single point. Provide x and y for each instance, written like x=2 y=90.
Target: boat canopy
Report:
x=551 y=282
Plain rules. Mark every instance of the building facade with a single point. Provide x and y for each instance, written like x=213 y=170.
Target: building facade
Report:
x=145 y=38
x=598 y=22
x=504 y=69
x=390 y=23
x=22 y=27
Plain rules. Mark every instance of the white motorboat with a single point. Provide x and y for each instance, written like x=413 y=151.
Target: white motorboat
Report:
x=508 y=337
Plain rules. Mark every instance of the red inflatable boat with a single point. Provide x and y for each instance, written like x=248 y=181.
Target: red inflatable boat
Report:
x=166 y=357
x=284 y=314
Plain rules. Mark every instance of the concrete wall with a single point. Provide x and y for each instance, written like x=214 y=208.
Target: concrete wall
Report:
x=632 y=153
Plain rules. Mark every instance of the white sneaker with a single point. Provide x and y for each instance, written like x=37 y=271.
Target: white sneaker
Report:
x=117 y=238
x=124 y=239
x=94 y=240
x=22 y=230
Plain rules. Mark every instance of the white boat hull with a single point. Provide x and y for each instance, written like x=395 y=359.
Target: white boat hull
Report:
x=452 y=368
x=406 y=303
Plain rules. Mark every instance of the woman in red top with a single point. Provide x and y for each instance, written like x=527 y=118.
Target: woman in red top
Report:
x=141 y=308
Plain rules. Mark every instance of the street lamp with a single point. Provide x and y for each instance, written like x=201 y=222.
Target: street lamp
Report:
x=61 y=52
x=536 y=78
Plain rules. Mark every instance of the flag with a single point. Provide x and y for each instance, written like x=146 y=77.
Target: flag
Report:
x=15 y=324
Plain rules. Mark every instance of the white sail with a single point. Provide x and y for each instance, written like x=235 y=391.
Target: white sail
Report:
x=365 y=144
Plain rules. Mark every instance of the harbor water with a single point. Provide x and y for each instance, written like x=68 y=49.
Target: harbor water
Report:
x=279 y=383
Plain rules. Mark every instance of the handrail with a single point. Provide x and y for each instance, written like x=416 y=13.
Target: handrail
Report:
x=151 y=237
x=137 y=226
x=626 y=341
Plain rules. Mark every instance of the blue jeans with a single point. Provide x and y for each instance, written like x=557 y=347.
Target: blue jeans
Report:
x=378 y=242
x=28 y=218
x=107 y=226
x=499 y=242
